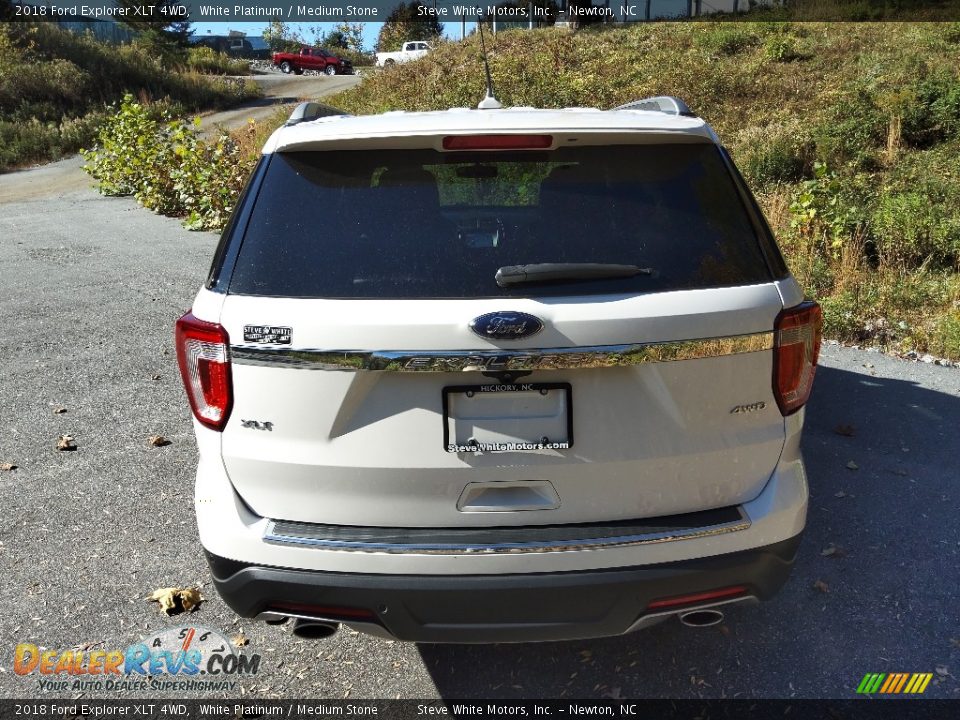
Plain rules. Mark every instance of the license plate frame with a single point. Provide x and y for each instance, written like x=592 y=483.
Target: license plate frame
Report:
x=499 y=388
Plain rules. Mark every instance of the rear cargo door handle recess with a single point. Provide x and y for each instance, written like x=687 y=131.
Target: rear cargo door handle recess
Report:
x=508 y=496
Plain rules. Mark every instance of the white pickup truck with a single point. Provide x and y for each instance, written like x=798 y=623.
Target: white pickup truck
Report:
x=413 y=50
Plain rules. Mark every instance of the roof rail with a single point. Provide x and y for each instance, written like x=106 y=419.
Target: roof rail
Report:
x=660 y=103
x=307 y=111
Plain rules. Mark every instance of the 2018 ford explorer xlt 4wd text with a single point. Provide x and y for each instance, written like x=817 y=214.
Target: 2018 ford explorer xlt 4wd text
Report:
x=498 y=375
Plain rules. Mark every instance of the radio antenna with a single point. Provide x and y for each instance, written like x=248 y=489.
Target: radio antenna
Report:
x=490 y=102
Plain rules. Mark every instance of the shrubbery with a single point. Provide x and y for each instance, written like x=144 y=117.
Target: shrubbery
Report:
x=146 y=152
x=206 y=60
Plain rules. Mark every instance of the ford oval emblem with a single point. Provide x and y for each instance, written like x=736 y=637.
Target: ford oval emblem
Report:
x=506 y=325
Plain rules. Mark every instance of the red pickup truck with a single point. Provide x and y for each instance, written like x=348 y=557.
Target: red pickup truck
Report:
x=312 y=59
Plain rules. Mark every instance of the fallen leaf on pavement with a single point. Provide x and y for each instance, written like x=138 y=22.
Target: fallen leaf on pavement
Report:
x=942 y=670
x=852 y=466
x=58 y=410
x=65 y=442
x=845 y=430
x=821 y=586
x=240 y=640
x=158 y=441
x=176 y=600
x=7 y=466
x=833 y=551
x=840 y=494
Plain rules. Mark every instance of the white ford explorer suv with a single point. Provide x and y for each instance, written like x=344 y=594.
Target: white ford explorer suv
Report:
x=498 y=375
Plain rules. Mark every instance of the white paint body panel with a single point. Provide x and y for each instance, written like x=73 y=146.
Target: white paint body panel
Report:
x=364 y=448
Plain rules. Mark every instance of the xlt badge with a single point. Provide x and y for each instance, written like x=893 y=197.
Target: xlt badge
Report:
x=267 y=334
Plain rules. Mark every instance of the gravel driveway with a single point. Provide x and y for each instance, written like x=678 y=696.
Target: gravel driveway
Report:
x=89 y=290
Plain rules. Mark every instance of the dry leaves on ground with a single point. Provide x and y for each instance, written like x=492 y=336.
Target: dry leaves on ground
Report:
x=852 y=466
x=240 y=640
x=6 y=467
x=821 y=586
x=158 y=441
x=59 y=410
x=66 y=442
x=174 y=601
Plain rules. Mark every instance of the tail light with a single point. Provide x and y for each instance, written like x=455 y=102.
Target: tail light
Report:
x=203 y=355
x=796 y=348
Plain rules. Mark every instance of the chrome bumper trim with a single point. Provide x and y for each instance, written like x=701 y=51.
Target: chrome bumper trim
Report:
x=596 y=356
x=292 y=533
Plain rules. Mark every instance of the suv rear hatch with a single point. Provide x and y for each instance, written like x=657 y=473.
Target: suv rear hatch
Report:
x=363 y=396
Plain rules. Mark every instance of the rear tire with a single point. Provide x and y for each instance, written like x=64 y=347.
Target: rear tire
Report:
x=298 y=71
x=286 y=67
x=330 y=70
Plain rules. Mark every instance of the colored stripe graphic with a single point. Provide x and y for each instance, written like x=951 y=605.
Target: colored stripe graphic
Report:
x=894 y=683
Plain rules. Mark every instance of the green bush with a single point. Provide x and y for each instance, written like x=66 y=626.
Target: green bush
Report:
x=208 y=61
x=774 y=154
x=853 y=130
x=727 y=39
x=781 y=48
x=945 y=338
x=144 y=151
x=909 y=229
x=933 y=112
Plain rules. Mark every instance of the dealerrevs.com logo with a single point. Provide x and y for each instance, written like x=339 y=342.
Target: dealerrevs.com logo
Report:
x=180 y=658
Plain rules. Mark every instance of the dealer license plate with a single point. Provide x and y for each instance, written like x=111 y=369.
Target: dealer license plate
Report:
x=507 y=417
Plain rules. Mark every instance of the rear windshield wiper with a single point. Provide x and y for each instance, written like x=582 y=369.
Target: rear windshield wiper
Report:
x=547 y=272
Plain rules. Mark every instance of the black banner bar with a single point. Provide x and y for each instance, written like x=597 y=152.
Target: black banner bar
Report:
x=511 y=13
x=864 y=709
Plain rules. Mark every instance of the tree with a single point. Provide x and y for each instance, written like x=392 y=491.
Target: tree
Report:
x=157 y=20
x=279 y=37
x=347 y=36
x=407 y=22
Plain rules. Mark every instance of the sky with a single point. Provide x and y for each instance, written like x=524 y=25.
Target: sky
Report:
x=370 y=30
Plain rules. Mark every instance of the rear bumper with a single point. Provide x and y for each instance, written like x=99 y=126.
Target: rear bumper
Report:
x=500 y=608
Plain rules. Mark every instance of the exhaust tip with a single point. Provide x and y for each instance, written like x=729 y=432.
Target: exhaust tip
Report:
x=314 y=629
x=701 y=618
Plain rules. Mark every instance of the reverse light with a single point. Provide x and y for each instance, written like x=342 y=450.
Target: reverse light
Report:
x=696 y=598
x=203 y=356
x=497 y=142
x=796 y=348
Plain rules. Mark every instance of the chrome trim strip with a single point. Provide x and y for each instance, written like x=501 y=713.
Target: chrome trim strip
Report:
x=499 y=360
x=576 y=545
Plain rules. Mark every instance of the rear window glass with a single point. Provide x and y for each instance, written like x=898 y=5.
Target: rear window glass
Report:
x=427 y=224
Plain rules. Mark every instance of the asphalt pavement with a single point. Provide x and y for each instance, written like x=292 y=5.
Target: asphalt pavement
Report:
x=89 y=290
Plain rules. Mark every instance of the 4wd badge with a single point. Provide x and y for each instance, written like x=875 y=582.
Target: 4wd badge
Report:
x=267 y=334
